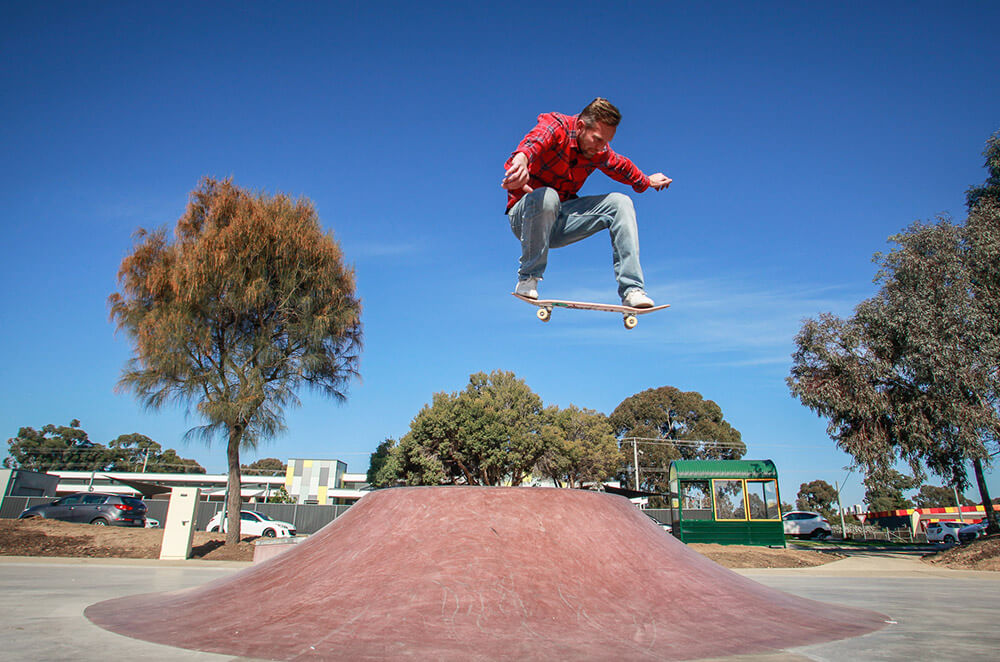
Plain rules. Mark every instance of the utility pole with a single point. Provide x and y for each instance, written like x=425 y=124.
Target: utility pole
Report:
x=843 y=526
x=635 y=459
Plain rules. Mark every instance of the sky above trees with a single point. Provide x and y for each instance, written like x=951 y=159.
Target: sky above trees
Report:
x=799 y=137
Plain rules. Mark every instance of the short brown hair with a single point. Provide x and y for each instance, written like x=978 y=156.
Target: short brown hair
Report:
x=600 y=110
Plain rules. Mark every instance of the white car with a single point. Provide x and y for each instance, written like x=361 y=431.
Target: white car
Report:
x=152 y=523
x=943 y=531
x=253 y=523
x=804 y=523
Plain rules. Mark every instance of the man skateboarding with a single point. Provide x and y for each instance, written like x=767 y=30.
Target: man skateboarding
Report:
x=542 y=178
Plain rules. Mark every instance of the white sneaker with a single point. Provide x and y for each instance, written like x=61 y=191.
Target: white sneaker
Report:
x=637 y=299
x=527 y=288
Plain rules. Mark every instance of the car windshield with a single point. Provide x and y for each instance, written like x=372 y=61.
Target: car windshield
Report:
x=263 y=516
x=132 y=501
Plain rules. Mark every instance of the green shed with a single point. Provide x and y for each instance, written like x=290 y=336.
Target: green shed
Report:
x=730 y=502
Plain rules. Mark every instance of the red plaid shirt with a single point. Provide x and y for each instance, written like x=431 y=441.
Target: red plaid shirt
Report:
x=554 y=160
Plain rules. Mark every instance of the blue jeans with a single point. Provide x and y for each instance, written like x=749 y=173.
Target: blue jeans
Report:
x=540 y=221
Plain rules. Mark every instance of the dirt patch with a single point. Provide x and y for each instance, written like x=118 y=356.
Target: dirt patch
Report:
x=745 y=556
x=44 y=537
x=980 y=554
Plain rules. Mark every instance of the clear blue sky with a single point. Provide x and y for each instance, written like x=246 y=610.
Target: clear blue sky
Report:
x=799 y=137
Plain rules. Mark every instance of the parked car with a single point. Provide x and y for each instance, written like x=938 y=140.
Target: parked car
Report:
x=943 y=531
x=253 y=523
x=806 y=524
x=971 y=532
x=152 y=523
x=92 y=508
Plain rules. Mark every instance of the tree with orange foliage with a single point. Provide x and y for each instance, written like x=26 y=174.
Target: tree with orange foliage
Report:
x=250 y=301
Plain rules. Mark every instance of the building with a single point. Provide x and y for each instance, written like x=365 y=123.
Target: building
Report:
x=339 y=487
x=21 y=482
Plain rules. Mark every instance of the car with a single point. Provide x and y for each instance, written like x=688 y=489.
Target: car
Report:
x=805 y=524
x=92 y=508
x=943 y=531
x=253 y=523
x=971 y=532
x=152 y=523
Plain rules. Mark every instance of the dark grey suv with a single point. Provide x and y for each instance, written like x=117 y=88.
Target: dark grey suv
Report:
x=92 y=508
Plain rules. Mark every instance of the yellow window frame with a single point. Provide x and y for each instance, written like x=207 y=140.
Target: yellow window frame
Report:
x=746 y=496
x=715 y=505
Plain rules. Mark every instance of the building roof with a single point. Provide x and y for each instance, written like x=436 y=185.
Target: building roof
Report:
x=706 y=469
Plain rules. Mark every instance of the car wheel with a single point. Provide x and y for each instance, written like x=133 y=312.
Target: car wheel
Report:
x=214 y=529
x=100 y=522
x=949 y=539
x=819 y=534
x=269 y=533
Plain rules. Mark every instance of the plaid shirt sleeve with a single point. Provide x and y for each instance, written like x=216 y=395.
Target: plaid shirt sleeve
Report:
x=621 y=169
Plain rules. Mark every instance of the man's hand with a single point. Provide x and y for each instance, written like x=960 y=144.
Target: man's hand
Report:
x=659 y=181
x=517 y=175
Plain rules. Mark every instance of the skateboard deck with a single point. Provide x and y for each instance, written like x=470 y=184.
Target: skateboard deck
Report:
x=630 y=315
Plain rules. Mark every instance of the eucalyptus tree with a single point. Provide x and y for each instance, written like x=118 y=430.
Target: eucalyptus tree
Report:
x=913 y=374
x=819 y=496
x=57 y=448
x=663 y=424
x=248 y=302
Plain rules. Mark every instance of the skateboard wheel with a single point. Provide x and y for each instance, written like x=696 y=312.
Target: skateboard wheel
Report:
x=631 y=321
x=544 y=314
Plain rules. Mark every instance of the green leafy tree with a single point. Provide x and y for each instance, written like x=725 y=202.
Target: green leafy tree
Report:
x=488 y=434
x=379 y=475
x=580 y=448
x=818 y=496
x=268 y=466
x=137 y=452
x=884 y=491
x=671 y=424
x=57 y=448
x=249 y=302
x=933 y=496
x=134 y=451
x=990 y=190
x=912 y=374
x=280 y=495
x=169 y=462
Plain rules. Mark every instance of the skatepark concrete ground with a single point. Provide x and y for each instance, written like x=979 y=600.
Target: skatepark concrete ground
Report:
x=945 y=614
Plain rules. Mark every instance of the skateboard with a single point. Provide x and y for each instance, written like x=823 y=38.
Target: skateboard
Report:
x=629 y=314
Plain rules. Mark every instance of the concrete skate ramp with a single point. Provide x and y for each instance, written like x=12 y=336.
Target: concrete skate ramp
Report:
x=466 y=573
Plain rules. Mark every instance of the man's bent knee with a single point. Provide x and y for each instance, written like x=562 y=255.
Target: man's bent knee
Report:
x=546 y=198
x=619 y=201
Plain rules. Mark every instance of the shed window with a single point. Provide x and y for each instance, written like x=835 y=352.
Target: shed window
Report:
x=729 y=503
x=762 y=496
x=697 y=495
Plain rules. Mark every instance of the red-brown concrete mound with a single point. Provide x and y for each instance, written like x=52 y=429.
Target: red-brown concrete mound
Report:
x=453 y=573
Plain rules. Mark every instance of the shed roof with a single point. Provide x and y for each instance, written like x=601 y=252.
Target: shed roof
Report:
x=705 y=469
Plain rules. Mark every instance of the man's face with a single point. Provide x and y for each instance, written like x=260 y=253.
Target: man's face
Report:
x=590 y=140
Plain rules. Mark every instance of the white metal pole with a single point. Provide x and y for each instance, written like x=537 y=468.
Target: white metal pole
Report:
x=843 y=526
x=635 y=458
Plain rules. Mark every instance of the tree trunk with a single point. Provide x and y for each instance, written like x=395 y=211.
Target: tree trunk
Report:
x=234 y=499
x=991 y=516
